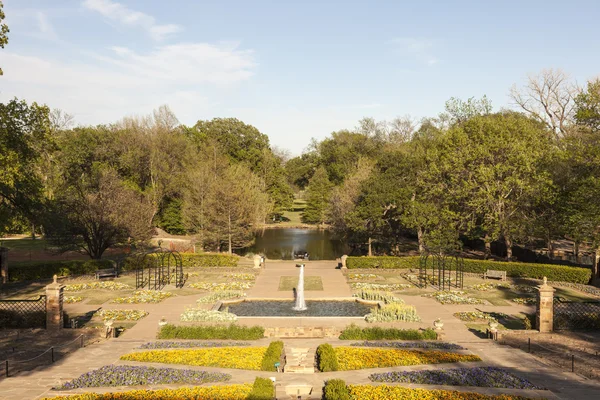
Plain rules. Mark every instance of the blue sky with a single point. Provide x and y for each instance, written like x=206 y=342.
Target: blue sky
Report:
x=294 y=69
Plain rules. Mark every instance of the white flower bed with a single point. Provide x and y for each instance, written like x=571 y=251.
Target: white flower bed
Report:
x=195 y=314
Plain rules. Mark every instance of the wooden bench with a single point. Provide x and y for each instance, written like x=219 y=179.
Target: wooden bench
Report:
x=107 y=273
x=491 y=273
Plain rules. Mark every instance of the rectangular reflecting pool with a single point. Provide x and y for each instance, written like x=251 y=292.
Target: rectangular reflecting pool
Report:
x=284 y=308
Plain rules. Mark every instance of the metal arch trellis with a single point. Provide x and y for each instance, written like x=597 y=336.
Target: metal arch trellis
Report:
x=442 y=271
x=157 y=269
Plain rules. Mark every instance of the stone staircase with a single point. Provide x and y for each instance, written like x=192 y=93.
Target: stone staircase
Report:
x=299 y=360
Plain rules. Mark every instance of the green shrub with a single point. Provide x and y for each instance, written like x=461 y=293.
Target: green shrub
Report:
x=272 y=355
x=376 y=295
x=563 y=273
x=354 y=332
x=232 y=331
x=28 y=271
x=191 y=260
x=326 y=358
x=336 y=389
x=262 y=389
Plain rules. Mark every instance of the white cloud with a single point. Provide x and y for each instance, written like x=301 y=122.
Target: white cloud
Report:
x=418 y=49
x=46 y=30
x=126 y=16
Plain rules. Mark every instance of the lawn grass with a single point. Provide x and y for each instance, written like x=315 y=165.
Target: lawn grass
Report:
x=287 y=283
x=25 y=244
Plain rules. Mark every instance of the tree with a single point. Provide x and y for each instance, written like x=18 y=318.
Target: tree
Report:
x=24 y=134
x=459 y=111
x=3 y=30
x=300 y=169
x=98 y=212
x=317 y=198
x=548 y=97
x=587 y=106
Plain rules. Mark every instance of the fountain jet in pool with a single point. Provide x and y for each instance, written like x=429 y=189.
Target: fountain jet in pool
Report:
x=300 y=303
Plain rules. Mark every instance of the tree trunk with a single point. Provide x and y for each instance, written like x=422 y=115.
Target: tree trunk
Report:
x=370 y=247
x=576 y=251
x=508 y=242
x=420 y=240
x=596 y=268
x=32 y=230
x=550 y=247
x=230 y=251
x=488 y=247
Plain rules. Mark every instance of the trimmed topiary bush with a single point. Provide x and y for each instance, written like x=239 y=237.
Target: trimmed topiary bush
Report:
x=326 y=358
x=192 y=260
x=272 y=356
x=262 y=389
x=562 y=273
x=28 y=271
x=232 y=331
x=336 y=389
x=354 y=332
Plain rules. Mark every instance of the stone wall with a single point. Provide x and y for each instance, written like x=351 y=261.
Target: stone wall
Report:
x=303 y=332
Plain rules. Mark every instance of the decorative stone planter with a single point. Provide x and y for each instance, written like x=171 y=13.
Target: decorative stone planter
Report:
x=493 y=325
x=438 y=324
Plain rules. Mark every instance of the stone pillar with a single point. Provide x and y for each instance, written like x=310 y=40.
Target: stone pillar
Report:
x=3 y=265
x=54 y=305
x=544 y=315
x=257 y=259
x=344 y=257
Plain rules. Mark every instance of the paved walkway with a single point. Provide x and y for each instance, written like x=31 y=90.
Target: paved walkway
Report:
x=37 y=384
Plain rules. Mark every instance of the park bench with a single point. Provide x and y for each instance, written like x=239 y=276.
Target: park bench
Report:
x=107 y=273
x=492 y=273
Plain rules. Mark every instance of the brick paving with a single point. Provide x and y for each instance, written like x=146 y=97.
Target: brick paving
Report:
x=562 y=385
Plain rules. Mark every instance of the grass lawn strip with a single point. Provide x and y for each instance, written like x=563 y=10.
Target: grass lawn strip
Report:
x=127 y=375
x=481 y=377
x=353 y=358
x=224 y=357
x=311 y=283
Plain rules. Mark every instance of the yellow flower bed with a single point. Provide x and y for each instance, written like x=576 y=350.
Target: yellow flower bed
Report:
x=385 y=392
x=351 y=358
x=223 y=392
x=222 y=357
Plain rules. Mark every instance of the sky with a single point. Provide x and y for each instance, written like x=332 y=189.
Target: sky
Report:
x=295 y=69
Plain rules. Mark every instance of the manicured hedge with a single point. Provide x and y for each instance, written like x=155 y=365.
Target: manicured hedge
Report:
x=354 y=332
x=553 y=272
x=326 y=358
x=232 y=331
x=28 y=271
x=262 y=389
x=190 y=260
x=336 y=389
x=272 y=356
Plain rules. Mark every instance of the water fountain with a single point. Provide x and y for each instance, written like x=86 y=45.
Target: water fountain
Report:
x=300 y=303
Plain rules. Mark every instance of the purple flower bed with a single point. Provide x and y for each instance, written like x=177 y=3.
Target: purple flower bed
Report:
x=482 y=377
x=190 y=344
x=126 y=375
x=411 y=345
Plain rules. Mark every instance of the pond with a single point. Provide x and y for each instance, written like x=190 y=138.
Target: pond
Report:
x=281 y=244
x=284 y=308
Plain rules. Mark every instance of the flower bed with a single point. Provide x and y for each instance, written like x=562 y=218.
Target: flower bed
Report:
x=481 y=377
x=380 y=286
x=223 y=295
x=524 y=288
x=215 y=287
x=453 y=297
x=196 y=314
x=122 y=315
x=375 y=295
x=241 y=277
x=127 y=375
x=486 y=287
x=190 y=344
x=144 y=296
x=72 y=299
x=410 y=345
x=362 y=276
x=353 y=358
x=224 y=357
x=78 y=287
x=384 y=392
x=471 y=316
x=222 y=392
x=394 y=312
x=234 y=332
x=353 y=332
x=524 y=300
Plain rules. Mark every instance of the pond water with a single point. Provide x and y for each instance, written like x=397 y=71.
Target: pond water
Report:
x=280 y=244
x=284 y=308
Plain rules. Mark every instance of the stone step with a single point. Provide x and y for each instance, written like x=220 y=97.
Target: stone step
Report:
x=299 y=360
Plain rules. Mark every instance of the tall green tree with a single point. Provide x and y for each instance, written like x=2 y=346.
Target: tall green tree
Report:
x=587 y=105
x=317 y=198
x=3 y=30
